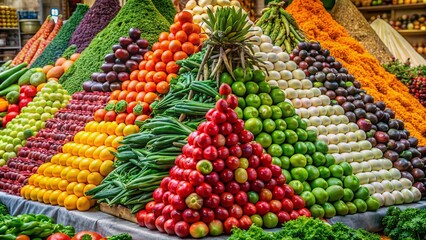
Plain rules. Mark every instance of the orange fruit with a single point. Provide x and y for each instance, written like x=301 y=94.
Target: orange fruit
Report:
x=121 y=117
x=171 y=37
x=125 y=84
x=40 y=194
x=163 y=87
x=33 y=194
x=100 y=114
x=83 y=204
x=106 y=153
x=95 y=178
x=160 y=76
x=84 y=164
x=164 y=45
x=87 y=188
x=131 y=96
x=194 y=38
x=61 y=198
x=157 y=55
x=53 y=199
x=196 y=28
x=89 y=152
x=79 y=189
x=70 y=202
x=111 y=128
x=76 y=162
x=46 y=196
x=155 y=46
x=175 y=27
x=82 y=176
x=181 y=36
x=140 y=96
x=163 y=36
x=95 y=165
x=142 y=74
x=98 y=151
x=188 y=48
x=122 y=95
x=150 y=97
x=130 y=119
x=64 y=172
x=160 y=66
x=117 y=140
x=184 y=17
x=114 y=95
x=62 y=185
x=132 y=85
x=172 y=67
x=72 y=175
x=119 y=129
x=140 y=87
x=106 y=167
x=180 y=55
x=171 y=76
x=188 y=27
x=109 y=140
x=70 y=187
x=150 y=87
x=175 y=46
x=167 y=56
x=134 y=75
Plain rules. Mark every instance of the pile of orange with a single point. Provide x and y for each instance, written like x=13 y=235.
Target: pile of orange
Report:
x=157 y=69
x=81 y=166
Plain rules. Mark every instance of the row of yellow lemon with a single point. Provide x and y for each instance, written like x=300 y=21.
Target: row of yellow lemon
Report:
x=110 y=128
x=72 y=197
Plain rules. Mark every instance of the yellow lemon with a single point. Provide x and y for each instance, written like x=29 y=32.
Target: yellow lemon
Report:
x=72 y=175
x=54 y=182
x=100 y=126
x=69 y=160
x=100 y=139
x=94 y=126
x=77 y=136
x=85 y=163
x=91 y=138
x=87 y=188
x=111 y=128
x=89 y=152
x=83 y=204
x=106 y=167
x=28 y=191
x=82 y=176
x=130 y=129
x=43 y=183
x=53 y=199
x=23 y=190
x=40 y=195
x=95 y=178
x=70 y=202
x=37 y=180
x=46 y=196
x=117 y=142
x=62 y=185
x=74 y=151
x=33 y=194
x=42 y=167
x=98 y=151
x=82 y=150
x=55 y=159
x=76 y=162
x=64 y=172
x=86 y=128
x=119 y=129
x=95 y=165
x=32 y=178
x=106 y=154
x=108 y=141
x=57 y=170
x=79 y=189
x=61 y=198
x=70 y=187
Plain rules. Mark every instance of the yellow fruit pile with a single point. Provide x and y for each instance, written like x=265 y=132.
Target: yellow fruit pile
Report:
x=81 y=166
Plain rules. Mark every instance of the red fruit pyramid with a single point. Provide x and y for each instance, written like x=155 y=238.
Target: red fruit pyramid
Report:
x=222 y=179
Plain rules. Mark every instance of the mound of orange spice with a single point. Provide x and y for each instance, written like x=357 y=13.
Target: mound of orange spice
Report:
x=319 y=25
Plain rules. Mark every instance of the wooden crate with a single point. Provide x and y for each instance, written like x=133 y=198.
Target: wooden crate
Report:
x=118 y=211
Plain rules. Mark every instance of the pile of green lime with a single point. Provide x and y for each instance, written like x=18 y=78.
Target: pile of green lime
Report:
x=328 y=188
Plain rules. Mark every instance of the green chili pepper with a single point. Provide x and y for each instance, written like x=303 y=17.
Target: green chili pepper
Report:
x=29 y=225
x=3 y=229
x=8 y=237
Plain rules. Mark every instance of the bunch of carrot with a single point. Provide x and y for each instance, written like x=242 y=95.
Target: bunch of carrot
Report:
x=35 y=46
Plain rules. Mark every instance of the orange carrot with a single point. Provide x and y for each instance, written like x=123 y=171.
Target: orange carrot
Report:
x=56 y=29
x=48 y=28
x=21 y=55
x=43 y=44
x=32 y=51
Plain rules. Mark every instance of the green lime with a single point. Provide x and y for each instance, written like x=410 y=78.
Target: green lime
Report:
x=253 y=197
x=329 y=160
x=276 y=112
x=321 y=195
x=298 y=160
x=309 y=160
x=348 y=195
x=265 y=99
x=318 y=84
x=335 y=193
x=281 y=124
x=276 y=160
x=313 y=172
x=285 y=162
x=254 y=125
x=347 y=168
x=351 y=182
x=329 y=209
x=278 y=136
x=302 y=135
x=321 y=146
x=239 y=73
x=275 y=150
x=308 y=197
x=239 y=89
x=259 y=75
x=310 y=148
x=361 y=205
x=287 y=176
x=288 y=149
x=336 y=171
x=324 y=172
x=351 y=208
x=291 y=136
x=300 y=147
x=265 y=112
x=334 y=182
x=341 y=208
x=319 y=159
x=303 y=124
x=287 y=109
x=249 y=74
x=264 y=87
x=291 y=123
x=299 y=173
x=277 y=95
x=252 y=87
x=250 y=112
x=264 y=139
x=306 y=187
x=253 y=100
x=362 y=193
x=372 y=204
x=297 y=186
x=225 y=77
x=312 y=135
x=317 y=211
x=319 y=183
x=241 y=102
x=239 y=112
x=269 y=126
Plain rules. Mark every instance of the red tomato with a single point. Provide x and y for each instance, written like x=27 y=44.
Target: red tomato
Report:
x=93 y=235
x=59 y=236
x=230 y=223
x=13 y=108
x=140 y=217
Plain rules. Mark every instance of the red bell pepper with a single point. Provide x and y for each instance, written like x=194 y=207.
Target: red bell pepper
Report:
x=13 y=108
x=29 y=90
x=24 y=102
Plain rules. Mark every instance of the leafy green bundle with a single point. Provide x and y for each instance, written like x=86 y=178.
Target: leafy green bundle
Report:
x=408 y=224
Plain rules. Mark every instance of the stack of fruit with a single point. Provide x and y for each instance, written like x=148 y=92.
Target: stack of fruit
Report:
x=49 y=141
x=221 y=180
x=199 y=8
x=124 y=59
x=155 y=71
